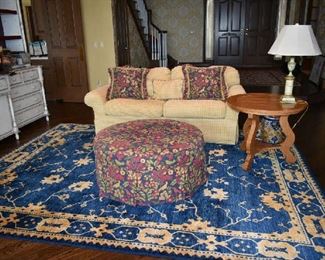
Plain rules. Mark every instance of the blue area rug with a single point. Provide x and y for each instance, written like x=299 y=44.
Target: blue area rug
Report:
x=48 y=192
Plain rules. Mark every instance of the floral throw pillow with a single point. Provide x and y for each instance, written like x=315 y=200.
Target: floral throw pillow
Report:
x=127 y=82
x=204 y=83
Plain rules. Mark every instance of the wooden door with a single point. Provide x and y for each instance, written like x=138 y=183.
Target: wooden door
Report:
x=260 y=25
x=40 y=28
x=66 y=48
x=58 y=22
x=121 y=32
x=229 y=24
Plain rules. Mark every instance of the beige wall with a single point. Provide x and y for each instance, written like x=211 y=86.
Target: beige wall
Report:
x=184 y=22
x=99 y=39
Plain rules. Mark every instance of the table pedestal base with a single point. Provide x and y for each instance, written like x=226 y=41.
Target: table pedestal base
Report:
x=253 y=146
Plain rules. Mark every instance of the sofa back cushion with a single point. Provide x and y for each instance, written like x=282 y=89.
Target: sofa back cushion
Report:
x=127 y=82
x=204 y=83
x=159 y=73
x=168 y=89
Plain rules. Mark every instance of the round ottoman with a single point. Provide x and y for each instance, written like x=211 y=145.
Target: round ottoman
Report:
x=147 y=162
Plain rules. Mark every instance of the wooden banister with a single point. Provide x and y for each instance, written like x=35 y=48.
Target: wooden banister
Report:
x=154 y=39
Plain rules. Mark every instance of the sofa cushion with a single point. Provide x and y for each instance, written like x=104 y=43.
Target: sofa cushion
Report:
x=127 y=82
x=177 y=73
x=134 y=107
x=194 y=109
x=168 y=89
x=159 y=73
x=204 y=83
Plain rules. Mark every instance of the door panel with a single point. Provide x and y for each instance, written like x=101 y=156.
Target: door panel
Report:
x=71 y=38
x=234 y=43
x=40 y=26
x=54 y=29
x=230 y=17
x=223 y=15
x=73 y=68
x=236 y=19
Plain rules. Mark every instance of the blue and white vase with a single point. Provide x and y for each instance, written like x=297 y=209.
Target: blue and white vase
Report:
x=269 y=130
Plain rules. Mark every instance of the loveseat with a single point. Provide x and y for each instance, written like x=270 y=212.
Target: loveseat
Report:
x=217 y=121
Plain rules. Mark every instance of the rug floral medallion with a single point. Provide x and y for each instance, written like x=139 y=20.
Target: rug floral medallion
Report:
x=48 y=192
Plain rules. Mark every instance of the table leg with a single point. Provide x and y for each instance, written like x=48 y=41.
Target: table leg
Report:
x=246 y=127
x=289 y=140
x=250 y=142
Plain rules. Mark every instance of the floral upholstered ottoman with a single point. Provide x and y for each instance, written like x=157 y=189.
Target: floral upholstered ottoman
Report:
x=147 y=162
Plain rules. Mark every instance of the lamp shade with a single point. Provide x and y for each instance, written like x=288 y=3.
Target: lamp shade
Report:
x=295 y=40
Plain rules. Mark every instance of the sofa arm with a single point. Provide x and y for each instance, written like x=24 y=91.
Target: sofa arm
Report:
x=236 y=90
x=97 y=99
x=233 y=91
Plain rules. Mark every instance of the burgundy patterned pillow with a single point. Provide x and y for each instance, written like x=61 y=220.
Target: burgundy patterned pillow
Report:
x=127 y=82
x=204 y=83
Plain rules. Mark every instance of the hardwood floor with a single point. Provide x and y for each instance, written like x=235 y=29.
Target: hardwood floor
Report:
x=309 y=140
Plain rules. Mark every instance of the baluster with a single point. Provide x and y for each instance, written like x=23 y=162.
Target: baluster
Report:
x=156 y=44
x=151 y=35
x=159 y=48
x=162 y=50
x=164 y=43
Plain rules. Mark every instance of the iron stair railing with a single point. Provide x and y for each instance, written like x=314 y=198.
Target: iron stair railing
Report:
x=156 y=38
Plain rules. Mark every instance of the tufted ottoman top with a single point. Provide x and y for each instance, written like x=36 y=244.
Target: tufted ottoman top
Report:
x=149 y=161
x=151 y=135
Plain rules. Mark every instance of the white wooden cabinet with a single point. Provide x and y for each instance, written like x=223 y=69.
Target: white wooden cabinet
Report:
x=8 y=125
x=22 y=99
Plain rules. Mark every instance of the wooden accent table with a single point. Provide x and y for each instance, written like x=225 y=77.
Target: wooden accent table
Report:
x=264 y=104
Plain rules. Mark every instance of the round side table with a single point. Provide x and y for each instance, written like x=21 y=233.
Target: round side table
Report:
x=264 y=104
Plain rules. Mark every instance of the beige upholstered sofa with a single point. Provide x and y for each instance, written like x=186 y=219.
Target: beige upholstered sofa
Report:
x=214 y=118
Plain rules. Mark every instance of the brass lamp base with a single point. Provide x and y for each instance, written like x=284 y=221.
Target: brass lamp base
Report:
x=286 y=99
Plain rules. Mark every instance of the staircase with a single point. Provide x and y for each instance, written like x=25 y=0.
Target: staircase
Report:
x=154 y=39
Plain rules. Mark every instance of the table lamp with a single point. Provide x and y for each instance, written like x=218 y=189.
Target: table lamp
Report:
x=294 y=40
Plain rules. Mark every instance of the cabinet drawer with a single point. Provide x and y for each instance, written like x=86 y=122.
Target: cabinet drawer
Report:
x=29 y=114
x=15 y=79
x=3 y=84
x=27 y=101
x=30 y=75
x=21 y=90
